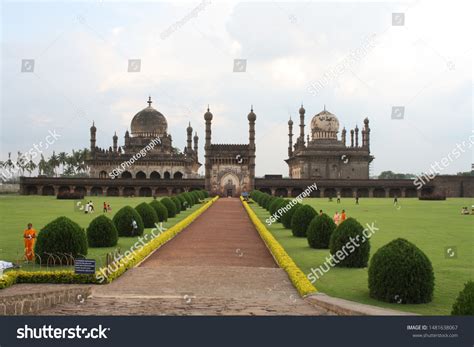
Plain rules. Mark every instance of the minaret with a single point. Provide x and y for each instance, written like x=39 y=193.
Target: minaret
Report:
x=252 y=117
x=196 y=139
x=352 y=137
x=290 y=138
x=343 y=136
x=357 y=136
x=302 y=112
x=367 y=133
x=115 y=139
x=127 y=138
x=207 y=147
x=93 y=138
x=190 y=138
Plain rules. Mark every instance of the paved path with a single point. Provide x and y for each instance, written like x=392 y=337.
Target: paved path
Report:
x=217 y=266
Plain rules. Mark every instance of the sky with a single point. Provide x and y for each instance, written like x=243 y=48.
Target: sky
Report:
x=356 y=59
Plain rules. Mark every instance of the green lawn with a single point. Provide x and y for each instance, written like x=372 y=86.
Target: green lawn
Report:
x=433 y=226
x=17 y=211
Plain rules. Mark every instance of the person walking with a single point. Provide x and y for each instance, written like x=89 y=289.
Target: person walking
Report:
x=29 y=236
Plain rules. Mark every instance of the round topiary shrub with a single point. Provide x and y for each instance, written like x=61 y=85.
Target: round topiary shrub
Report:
x=319 y=231
x=160 y=209
x=205 y=194
x=170 y=206
x=272 y=208
x=280 y=209
x=266 y=201
x=148 y=214
x=183 y=201
x=195 y=196
x=287 y=216
x=464 y=304
x=102 y=232
x=344 y=249
x=301 y=219
x=177 y=203
x=400 y=272
x=60 y=237
x=189 y=199
x=123 y=221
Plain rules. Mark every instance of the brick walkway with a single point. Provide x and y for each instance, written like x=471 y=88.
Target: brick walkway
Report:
x=217 y=266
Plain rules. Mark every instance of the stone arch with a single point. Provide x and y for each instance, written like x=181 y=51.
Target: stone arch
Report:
x=167 y=175
x=177 y=190
x=140 y=175
x=80 y=190
x=330 y=193
x=31 y=190
x=178 y=175
x=96 y=191
x=346 y=192
x=426 y=191
x=411 y=193
x=103 y=174
x=394 y=191
x=144 y=191
x=296 y=192
x=161 y=191
x=229 y=185
x=363 y=193
x=48 y=190
x=128 y=191
x=379 y=193
x=155 y=175
x=126 y=174
x=63 y=190
x=266 y=190
x=281 y=192
x=113 y=191
x=315 y=193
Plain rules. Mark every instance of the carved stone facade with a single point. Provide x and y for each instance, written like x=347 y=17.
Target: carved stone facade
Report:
x=230 y=168
x=149 y=147
x=324 y=156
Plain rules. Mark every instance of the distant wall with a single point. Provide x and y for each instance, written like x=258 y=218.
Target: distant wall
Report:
x=9 y=188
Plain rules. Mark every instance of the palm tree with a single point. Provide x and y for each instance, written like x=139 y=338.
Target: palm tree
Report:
x=21 y=162
x=62 y=158
x=54 y=162
x=30 y=166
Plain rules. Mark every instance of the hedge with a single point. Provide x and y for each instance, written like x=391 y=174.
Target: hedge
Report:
x=148 y=214
x=102 y=232
x=123 y=222
x=301 y=219
x=319 y=231
x=340 y=244
x=160 y=209
x=464 y=304
x=170 y=206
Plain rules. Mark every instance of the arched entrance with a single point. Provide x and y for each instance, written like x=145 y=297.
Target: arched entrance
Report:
x=229 y=185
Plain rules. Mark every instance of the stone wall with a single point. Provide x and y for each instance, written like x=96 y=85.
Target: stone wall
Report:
x=9 y=188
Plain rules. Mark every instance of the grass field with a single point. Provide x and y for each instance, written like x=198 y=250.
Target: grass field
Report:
x=433 y=226
x=16 y=211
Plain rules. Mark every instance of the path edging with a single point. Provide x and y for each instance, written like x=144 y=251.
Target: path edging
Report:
x=351 y=308
x=297 y=277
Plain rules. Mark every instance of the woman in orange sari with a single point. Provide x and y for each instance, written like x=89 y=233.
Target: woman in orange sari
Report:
x=29 y=235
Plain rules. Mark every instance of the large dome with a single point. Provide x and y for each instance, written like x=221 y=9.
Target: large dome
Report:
x=324 y=125
x=149 y=122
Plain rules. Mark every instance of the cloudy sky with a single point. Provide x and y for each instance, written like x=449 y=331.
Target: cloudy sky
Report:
x=345 y=55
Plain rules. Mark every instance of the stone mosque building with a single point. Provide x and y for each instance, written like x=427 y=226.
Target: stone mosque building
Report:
x=337 y=164
x=163 y=161
x=324 y=155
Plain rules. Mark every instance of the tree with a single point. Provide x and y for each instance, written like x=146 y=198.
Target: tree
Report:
x=54 y=162
x=62 y=158
x=30 y=166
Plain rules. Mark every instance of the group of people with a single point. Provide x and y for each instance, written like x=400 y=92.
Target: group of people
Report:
x=106 y=207
x=465 y=210
x=89 y=208
x=338 y=218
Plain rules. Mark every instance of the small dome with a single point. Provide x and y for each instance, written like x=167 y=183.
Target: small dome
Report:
x=189 y=128
x=208 y=115
x=149 y=121
x=252 y=116
x=366 y=120
x=324 y=125
x=93 y=128
x=290 y=122
x=302 y=110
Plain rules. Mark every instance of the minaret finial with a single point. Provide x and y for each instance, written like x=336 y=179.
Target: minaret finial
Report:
x=149 y=101
x=251 y=108
x=324 y=107
x=207 y=107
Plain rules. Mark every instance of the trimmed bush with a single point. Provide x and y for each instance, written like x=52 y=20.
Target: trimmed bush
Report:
x=61 y=236
x=102 y=232
x=282 y=204
x=319 y=231
x=205 y=193
x=195 y=196
x=177 y=203
x=182 y=200
x=189 y=199
x=148 y=214
x=400 y=272
x=266 y=201
x=340 y=244
x=288 y=215
x=170 y=206
x=272 y=208
x=301 y=219
x=123 y=222
x=160 y=209
x=464 y=304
